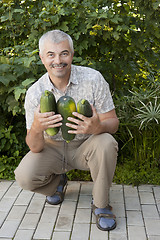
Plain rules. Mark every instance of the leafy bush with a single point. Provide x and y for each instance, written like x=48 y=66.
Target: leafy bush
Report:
x=12 y=147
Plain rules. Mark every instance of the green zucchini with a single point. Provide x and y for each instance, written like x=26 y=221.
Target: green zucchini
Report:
x=48 y=104
x=66 y=106
x=84 y=108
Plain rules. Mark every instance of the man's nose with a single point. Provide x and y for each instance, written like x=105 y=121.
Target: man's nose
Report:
x=57 y=59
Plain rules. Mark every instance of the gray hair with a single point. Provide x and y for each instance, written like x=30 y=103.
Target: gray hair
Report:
x=56 y=36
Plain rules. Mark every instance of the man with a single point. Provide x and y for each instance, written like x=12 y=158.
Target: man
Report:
x=44 y=168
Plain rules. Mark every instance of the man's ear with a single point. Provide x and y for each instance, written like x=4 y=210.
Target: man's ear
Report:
x=41 y=57
x=72 y=55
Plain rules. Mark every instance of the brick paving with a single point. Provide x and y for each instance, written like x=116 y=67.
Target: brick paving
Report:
x=26 y=216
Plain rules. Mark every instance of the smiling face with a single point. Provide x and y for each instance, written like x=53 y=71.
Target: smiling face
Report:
x=57 y=59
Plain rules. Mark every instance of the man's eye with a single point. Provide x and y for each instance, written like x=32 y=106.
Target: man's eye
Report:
x=64 y=54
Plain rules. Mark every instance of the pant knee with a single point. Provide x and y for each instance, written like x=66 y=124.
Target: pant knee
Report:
x=103 y=153
x=105 y=141
x=24 y=180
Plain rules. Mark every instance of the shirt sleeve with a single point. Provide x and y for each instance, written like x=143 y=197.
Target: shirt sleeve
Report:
x=30 y=105
x=103 y=98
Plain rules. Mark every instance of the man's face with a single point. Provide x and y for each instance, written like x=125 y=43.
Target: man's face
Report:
x=57 y=59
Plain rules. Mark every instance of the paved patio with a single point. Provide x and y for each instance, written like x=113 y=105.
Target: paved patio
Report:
x=26 y=216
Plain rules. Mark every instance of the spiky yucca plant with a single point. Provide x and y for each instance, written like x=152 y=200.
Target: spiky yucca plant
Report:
x=148 y=113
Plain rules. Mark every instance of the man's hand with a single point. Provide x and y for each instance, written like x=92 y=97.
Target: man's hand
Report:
x=84 y=125
x=43 y=121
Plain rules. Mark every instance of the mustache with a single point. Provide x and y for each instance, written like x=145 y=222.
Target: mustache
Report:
x=58 y=65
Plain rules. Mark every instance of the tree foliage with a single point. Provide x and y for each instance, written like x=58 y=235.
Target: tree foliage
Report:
x=120 y=38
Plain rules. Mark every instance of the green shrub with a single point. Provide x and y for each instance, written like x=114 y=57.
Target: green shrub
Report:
x=13 y=147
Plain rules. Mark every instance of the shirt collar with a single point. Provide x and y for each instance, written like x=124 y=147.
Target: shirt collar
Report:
x=73 y=78
x=49 y=83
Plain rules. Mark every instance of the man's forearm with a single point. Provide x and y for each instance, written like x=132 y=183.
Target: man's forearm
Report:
x=35 y=140
x=109 y=125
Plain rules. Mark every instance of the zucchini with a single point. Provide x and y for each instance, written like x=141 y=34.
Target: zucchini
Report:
x=48 y=104
x=66 y=106
x=84 y=108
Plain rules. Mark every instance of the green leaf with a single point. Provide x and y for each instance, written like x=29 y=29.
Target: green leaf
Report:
x=76 y=36
x=16 y=110
x=4 y=17
x=18 y=91
x=11 y=102
x=4 y=60
x=64 y=26
x=116 y=19
x=18 y=10
x=156 y=5
x=116 y=35
x=4 y=68
x=84 y=44
x=3 y=142
x=54 y=19
x=77 y=59
x=28 y=81
x=103 y=15
x=2 y=167
x=7 y=79
x=1 y=134
x=28 y=61
x=34 y=51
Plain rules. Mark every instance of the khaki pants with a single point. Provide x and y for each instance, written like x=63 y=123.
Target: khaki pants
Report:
x=40 y=172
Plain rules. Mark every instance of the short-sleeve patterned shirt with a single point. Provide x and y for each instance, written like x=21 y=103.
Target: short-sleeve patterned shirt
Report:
x=84 y=82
